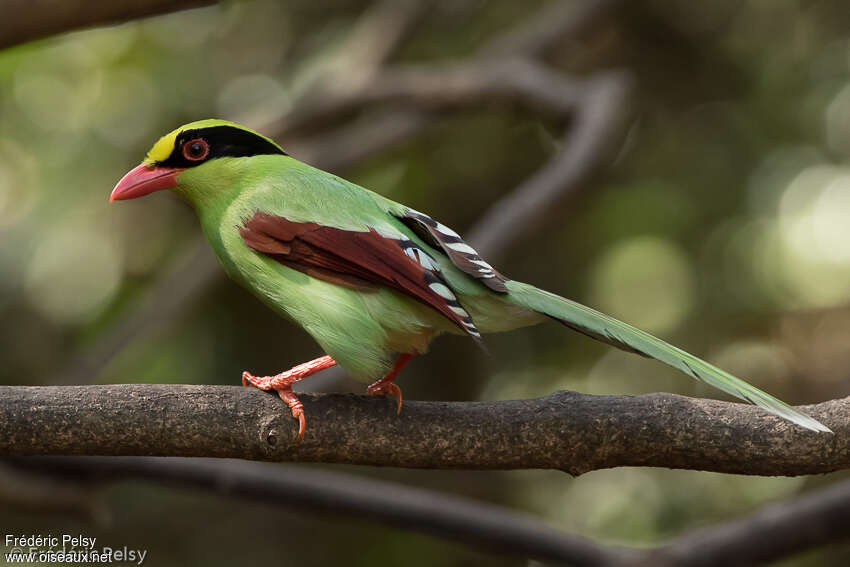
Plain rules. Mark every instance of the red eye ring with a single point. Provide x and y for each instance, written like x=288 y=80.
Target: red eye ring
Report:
x=196 y=150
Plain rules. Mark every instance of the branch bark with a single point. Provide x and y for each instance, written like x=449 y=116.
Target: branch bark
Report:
x=569 y=431
x=35 y=19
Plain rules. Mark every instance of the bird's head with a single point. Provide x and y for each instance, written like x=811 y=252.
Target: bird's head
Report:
x=199 y=160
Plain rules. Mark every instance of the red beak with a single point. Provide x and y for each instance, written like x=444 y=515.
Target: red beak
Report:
x=144 y=179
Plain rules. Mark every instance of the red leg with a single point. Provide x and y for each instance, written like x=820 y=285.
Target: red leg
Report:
x=282 y=384
x=386 y=386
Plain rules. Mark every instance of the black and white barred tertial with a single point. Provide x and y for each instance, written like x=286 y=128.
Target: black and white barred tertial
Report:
x=438 y=286
x=459 y=252
x=436 y=283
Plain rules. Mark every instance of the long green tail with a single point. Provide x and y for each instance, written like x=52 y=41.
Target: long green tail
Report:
x=621 y=335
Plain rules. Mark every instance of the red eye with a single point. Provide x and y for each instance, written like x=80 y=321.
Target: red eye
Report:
x=196 y=150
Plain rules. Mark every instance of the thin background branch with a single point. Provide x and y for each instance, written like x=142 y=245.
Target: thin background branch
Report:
x=777 y=530
x=20 y=489
x=489 y=527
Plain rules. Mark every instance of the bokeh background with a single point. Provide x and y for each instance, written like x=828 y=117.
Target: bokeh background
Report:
x=719 y=221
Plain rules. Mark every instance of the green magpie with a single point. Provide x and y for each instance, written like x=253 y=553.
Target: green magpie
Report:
x=371 y=280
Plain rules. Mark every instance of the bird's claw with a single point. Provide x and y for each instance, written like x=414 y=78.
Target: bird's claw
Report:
x=298 y=413
x=386 y=389
x=284 y=390
x=259 y=382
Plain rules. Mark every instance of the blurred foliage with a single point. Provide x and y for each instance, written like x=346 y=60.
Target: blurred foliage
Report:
x=722 y=224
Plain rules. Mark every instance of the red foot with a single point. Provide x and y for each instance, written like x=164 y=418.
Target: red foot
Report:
x=386 y=385
x=282 y=384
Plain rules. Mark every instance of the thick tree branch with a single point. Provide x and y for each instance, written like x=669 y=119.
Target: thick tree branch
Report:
x=572 y=432
x=34 y=19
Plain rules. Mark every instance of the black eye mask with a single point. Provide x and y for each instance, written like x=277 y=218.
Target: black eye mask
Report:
x=222 y=141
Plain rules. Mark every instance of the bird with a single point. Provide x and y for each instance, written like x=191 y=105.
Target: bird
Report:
x=373 y=281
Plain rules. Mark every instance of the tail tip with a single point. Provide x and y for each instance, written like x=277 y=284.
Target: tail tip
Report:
x=812 y=424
